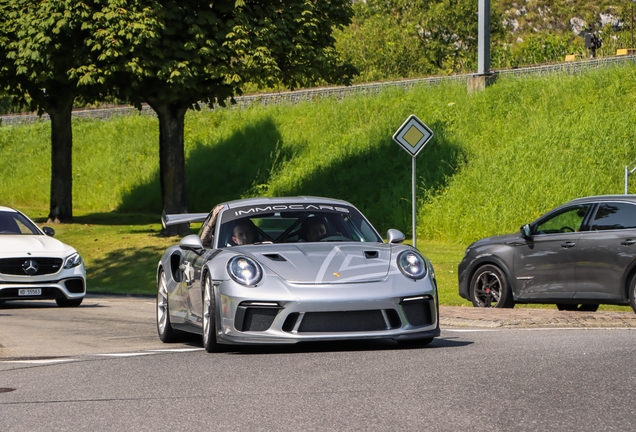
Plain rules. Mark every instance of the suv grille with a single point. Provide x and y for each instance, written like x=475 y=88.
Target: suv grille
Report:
x=30 y=266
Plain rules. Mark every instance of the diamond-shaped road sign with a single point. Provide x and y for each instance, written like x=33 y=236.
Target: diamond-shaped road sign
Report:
x=413 y=135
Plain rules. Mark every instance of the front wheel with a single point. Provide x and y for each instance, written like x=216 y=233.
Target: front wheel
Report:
x=632 y=294
x=489 y=287
x=209 y=317
x=164 y=328
x=64 y=302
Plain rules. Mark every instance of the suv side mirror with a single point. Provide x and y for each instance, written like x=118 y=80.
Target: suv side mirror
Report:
x=526 y=231
x=48 y=231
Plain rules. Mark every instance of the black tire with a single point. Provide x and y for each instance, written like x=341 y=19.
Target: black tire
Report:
x=208 y=330
x=415 y=342
x=64 y=302
x=489 y=287
x=588 y=307
x=164 y=328
x=632 y=294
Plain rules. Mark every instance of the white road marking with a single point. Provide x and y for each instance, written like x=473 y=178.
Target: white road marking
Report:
x=124 y=354
x=48 y=361
x=177 y=350
x=535 y=329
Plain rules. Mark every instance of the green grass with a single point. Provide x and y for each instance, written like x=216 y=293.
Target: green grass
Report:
x=499 y=159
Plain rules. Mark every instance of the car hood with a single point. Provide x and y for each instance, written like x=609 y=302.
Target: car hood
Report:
x=320 y=263
x=37 y=245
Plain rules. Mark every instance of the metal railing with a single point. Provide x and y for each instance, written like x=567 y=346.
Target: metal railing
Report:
x=293 y=97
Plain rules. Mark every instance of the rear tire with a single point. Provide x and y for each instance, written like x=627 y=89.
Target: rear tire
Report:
x=209 y=317
x=164 y=328
x=489 y=287
x=64 y=302
x=574 y=307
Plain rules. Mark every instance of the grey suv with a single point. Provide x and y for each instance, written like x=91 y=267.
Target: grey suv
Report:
x=576 y=256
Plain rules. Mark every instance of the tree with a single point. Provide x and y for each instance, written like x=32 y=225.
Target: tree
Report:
x=177 y=54
x=41 y=42
x=405 y=38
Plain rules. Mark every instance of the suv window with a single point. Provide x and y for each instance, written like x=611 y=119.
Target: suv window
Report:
x=613 y=216
x=567 y=220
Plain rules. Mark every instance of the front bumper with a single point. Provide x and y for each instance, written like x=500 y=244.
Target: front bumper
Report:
x=69 y=284
x=397 y=308
x=462 y=276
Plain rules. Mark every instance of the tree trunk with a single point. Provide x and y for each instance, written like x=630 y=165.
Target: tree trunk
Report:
x=61 y=201
x=172 y=162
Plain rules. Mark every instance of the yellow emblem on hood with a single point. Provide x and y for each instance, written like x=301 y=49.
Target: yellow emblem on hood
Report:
x=336 y=274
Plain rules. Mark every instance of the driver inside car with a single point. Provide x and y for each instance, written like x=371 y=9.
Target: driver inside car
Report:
x=243 y=232
x=313 y=229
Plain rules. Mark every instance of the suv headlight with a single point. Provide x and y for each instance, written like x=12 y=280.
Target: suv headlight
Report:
x=411 y=264
x=244 y=270
x=73 y=261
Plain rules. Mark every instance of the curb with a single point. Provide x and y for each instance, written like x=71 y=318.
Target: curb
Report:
x=466 y=317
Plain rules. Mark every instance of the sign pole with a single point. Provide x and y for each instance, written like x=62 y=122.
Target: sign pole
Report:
x=412 y=136
x=413 y=198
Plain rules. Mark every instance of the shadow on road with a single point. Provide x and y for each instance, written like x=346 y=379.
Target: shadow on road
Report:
x=341 y=346
x=40 y=304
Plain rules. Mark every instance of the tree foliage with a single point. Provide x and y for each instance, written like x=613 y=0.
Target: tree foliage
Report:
x=172 y=55
x=40 y=43
x=175 y=55
x=402 y=38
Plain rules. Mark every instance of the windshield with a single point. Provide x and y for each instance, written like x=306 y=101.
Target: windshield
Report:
x=16 y=223
x=311 y=223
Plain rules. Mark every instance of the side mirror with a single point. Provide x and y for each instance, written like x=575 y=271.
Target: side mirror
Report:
x=48 y=231
x=394 y=236
x=191 y=242
x=526 y=231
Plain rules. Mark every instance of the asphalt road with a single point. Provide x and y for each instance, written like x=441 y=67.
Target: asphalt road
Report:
x=100 y=325
x=109 y=372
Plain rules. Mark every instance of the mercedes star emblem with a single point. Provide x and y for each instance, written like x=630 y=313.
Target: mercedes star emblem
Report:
x=30 y=267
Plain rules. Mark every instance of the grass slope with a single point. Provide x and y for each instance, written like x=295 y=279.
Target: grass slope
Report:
x=499 y=159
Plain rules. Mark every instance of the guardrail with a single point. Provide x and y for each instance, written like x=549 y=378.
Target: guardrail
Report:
x=340 y=91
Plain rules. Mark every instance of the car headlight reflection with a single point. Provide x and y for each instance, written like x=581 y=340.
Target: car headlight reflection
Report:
x=244 y=270
x=73 y=261
x=411 y=264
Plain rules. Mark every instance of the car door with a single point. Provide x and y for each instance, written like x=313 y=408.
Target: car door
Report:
x=606 y=251
x=545 y=264
x=195 y=296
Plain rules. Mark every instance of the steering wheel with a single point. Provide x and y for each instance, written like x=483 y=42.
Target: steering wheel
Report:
x=566 y=229
x=332 y=237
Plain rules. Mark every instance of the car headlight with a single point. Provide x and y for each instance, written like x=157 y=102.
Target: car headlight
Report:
x=73 y=261
x=411 y=264
x=244 y=270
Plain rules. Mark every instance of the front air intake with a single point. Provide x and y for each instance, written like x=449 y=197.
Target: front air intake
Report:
x=255 y=316
x=418 y=310
x=75 y=285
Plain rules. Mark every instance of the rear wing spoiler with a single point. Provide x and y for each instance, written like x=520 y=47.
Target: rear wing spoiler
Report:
x=175 y=219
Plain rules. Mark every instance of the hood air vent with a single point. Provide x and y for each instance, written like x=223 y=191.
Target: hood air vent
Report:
x=274 y=257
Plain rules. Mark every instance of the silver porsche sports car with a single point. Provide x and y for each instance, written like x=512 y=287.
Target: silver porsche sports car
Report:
x=286 y=270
